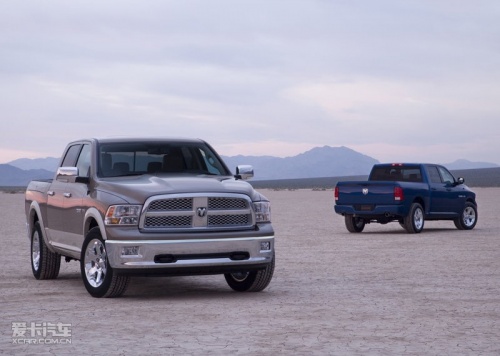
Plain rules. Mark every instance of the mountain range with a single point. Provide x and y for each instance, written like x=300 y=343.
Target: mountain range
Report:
x=323 y=161
x=49 y=163
x=11 y=176
x=318 y=162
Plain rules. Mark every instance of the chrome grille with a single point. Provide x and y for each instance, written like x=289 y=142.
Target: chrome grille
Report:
x=157 y=222
x=183 y=212
x=228 y=220
x=226 y=203
x=171 y=204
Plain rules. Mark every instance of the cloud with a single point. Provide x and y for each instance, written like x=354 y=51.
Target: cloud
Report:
x=258 y=76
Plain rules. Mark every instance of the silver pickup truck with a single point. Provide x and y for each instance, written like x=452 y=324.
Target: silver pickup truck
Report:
x=149 y=207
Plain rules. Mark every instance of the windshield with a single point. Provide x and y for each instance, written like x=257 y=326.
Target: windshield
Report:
x=136 y=158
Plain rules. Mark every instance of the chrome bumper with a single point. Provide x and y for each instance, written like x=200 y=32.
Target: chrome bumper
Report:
x=175 y=254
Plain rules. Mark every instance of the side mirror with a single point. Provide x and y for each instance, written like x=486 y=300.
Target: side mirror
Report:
x=244 y=172
x=70 y=175
x=460 y=181
x=66 y=174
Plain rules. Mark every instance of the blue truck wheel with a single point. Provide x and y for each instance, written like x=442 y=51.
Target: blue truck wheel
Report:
x=414 y=222
x=468 y=219
x=354 y=224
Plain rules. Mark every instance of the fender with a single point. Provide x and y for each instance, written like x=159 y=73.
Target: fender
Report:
x=35 y=210
x=94 y=214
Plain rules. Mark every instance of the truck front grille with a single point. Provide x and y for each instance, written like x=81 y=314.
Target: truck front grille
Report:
x=168 y=221
x=171 y=204
x=226 y=203
x=228 y=220
x=197 y=212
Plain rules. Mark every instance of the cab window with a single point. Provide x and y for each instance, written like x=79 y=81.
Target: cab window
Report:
x=83 y=163
x=446 y=176
x=71 y=156
x=434 y=175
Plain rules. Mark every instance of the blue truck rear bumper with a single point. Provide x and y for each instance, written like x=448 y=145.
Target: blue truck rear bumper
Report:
x=372 y=211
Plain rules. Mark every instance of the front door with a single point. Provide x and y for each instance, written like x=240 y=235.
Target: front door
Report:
x=446 y=197
x=56 y=200
x=74 y=210
x=65 y=211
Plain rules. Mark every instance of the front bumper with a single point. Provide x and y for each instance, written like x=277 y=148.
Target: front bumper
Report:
x=196 y=254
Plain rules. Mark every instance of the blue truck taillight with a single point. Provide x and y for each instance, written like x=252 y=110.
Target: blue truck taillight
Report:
x=398 y=194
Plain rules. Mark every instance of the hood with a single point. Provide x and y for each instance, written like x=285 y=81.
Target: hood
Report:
x=136 y=189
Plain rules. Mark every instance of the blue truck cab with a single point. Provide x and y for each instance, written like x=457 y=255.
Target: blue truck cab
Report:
x=408 y=193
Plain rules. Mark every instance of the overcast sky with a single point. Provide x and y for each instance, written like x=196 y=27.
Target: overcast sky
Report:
x=396 y=80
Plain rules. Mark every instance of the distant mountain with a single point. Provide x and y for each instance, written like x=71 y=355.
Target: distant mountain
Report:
x=11 y=176
x=465 y=164
x=49 y=164
x=323 y=161
x=318 y=162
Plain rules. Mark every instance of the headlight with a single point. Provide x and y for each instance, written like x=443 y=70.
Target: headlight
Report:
x=123 y=215
x=262 y=211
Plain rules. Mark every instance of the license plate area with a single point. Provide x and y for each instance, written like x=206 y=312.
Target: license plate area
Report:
x=365 y=207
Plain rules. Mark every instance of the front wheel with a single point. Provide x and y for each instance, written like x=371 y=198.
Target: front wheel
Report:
x=468 y=218
x=45 y=264
x=414 y=222
x=354 y=224
x=99 y=278
x=254 y=281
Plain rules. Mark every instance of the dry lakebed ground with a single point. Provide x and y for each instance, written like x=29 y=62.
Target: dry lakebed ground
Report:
x=381 y=292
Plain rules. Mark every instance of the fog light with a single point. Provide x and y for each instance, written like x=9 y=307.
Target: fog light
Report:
x=265 y=246
x=130 y=251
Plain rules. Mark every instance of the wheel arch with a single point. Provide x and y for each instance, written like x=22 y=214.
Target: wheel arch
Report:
x=471 y=200
x=93 y=218
x=35 y=215
x=421 y=201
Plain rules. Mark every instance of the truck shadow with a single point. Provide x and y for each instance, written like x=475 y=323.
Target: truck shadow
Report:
x=426 y=231
x=185 y=288
x=150 y=288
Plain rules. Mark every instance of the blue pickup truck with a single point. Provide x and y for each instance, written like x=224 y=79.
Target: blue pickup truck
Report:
x=408 y=194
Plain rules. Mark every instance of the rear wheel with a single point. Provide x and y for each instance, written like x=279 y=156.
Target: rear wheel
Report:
x=45 y=264
x=99 y=278
x=354 y=224
x=414 y=222
x=468 y=218
x=254 y=281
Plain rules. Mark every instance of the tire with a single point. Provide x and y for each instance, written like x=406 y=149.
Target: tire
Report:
x=354 y=224
x=414 y=222
x=99 y=278
x=254 y=281
x=468 y=218
x=45 y=264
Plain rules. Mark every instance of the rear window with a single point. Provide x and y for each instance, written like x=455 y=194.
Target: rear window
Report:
x=396 y=173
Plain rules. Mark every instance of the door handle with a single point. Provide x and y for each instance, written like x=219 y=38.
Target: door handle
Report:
x=67 y=195
x=51 y=193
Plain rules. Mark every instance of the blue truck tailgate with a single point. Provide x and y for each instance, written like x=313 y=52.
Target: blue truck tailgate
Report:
x=364 y=192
